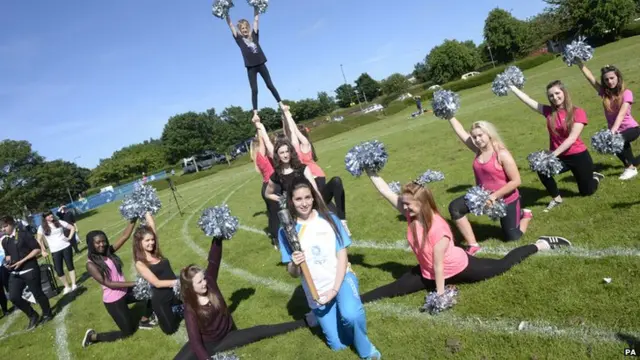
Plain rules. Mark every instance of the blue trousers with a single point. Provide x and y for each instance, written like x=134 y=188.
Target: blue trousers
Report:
x=343 y=320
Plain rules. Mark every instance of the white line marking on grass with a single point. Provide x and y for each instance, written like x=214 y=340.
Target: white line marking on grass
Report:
x=234 y=191
x=8 y=321
x=62 y=347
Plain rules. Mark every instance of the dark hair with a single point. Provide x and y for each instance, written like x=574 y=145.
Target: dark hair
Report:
x=303 y=130
x=45 y=224
x=568 y=107
x=294 y=160
x=97 y=258
x=612 y=98
x=204 y=313
x=138 y=251
x=318 y=204
x=7 y=220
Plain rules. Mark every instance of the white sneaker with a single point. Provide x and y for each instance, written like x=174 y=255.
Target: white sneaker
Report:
x=66 y=290
x=74 y=287
x=628 y=173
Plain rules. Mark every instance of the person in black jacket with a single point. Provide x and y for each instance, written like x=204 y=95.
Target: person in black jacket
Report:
x=21 y=252
x=68 y=216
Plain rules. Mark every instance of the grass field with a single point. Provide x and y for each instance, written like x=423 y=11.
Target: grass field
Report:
x=567 y=310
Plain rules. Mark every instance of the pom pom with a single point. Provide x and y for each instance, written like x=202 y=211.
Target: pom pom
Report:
x=395 y=187
x=176 y=290
x=429 y=176
x=218 y=222
x=476 y=200
x=142 y=289
x=434 y=303
x=220 y=8
x=178 y=310
x=511 y=76
x=545 y=163
x=606 y=142
x=223 y=356
x=261 y=5
x=577 y=51
x=445 y=104
x=142 y=200
x=370 y=155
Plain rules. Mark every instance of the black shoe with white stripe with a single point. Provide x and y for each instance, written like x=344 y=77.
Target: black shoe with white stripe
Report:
x=555 y=241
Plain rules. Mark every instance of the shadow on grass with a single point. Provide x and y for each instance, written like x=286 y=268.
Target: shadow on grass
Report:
x=238 y=296
x=258 y=213
x=67 y=299
x=298 y=308
x=625 y=205
x=632 y=341
x=459 y=188
x=395 y=269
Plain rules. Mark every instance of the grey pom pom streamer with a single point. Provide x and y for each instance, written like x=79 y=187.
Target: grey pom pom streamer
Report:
x=500 y=86
x=142 y=289
x=606 y=142
x=476 y=200
x=220 y=8
x=545 y=163
x=429 y=176
x=142 y=200
x=178 y=310
x=223 y=356
x=445 y=104
x=261 y=5
x=395 y=187
x=577 y=50
x=434 y=303
x=370 y=155
x=218 y=222
x=511 y=76
x=176 y=290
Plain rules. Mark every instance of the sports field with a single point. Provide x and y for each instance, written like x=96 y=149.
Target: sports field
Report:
x=552 y=306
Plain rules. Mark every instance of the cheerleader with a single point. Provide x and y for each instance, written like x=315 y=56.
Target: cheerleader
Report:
x=287 y=168
x=496 y=170
x=617 y=101
x=324 y=243
x=565 y=123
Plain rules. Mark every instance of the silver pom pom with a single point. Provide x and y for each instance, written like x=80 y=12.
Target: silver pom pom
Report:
x=218 y=222
x=606 y=142
x=577 y=51
x=434 y=303
x=142 y=289
x=429 y=176
x=545 y=162
x=261 y=5
x=223 y=356
x=476 y=200
x=445 y=103
x=220 y=8
x=395 y=187
x=176 y=290
x=178 y=310
x=511 y=76
x=370 y=155
x=142 y=200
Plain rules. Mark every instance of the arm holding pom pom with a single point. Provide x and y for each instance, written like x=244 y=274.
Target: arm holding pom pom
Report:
x=232 y=27
x=215 y=258
x=256 y=18
x=464 y=136
x=513 y=175
x=95 y=273
x=576 y=130
x=150 y=222
x=438 y=263
x=589 y=76
x=534 y=105
x=146 y=273
x=126 y=234
x=385 y=190
x=621 y=114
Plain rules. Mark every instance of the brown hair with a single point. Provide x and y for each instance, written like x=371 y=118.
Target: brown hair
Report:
x=294 y=160
x=45 y=223
x=612 y=98
x=190 y=298
x=139 y=253
x=318 y=204
x=428 y=208
x=568 y=106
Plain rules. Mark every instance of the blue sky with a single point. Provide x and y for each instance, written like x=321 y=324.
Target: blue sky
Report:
x=81 y=79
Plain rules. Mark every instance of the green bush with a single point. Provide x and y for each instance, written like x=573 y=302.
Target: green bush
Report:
x=632 y=29
x=183 y=179
x=396 y=106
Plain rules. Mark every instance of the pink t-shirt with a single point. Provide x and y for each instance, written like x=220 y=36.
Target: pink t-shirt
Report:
x=561 y=133
x=492 y=176
x=265 y=167
x=112 y=295
x=628 y=122
x=307 y=159
x=455 y=259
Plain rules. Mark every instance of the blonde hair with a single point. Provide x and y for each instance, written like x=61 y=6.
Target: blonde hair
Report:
x=246 y=22
x=491 y=131
x=253 y=151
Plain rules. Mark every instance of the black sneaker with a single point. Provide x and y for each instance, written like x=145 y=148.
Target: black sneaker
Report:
x=145 y=325
x=33 y=322
x=87 y=338
x=555 y=241
x=46 y=318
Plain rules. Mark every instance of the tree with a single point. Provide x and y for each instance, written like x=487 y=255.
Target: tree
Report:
x=187 y=134
x=326 y=103
x=450 y=60
x=53 y=182
x=17 y=162
x=345 y=95
x=505 y=34
x=594 y=18
x=234 y=127
x=366 y=85
x=396 y=83
x=421 y=72
x=270 y=118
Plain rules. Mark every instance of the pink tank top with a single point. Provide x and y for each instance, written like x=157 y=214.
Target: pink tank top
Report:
x=112 y=295
x=492 y=176
x=265 y=167
x=307 y=159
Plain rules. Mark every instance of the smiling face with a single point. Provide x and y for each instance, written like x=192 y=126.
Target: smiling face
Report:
x=199 y=283
x=148 y=242
x=610 y=79
x=410 y=204
x=303 y=202
x=244 y=28
x=556 y=96
x=100 y=244
x=480 y=138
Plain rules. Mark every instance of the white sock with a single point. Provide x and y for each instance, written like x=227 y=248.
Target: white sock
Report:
x=543 y=245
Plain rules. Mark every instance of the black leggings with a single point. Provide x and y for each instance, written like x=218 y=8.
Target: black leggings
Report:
x=253 y=81
x=272 y=214
x=163 y=308
x=581 y=165
x=58 y=256
x=626 y=156
x=510 y=224
x=333 y=190
x=4 y=285
x=31 y=279
x=237 y=338
x=121 y=315
x=478 y=269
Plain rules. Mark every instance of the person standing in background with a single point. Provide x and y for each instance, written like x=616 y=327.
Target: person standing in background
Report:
x=68 y=217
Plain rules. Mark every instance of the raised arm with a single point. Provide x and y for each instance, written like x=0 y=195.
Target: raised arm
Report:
x=234 y=32
x=463 y=135
x=385 y=191
x=589 y=76
x=215 y=257
x=146 y=273
x=126 y=234
x=265 y=142
x=289 y=127
x=256 y=17
x=151 y=222
x=534 y=105
x=95 y=273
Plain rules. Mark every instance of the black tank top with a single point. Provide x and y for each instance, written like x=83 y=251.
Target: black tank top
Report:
x=163 y=271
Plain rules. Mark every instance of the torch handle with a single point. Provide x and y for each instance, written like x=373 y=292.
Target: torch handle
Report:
x=309 y=280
